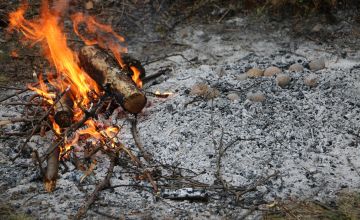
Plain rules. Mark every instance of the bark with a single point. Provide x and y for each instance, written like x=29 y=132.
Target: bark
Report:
x=103 y=69
x=63 y=112
x=51 y=172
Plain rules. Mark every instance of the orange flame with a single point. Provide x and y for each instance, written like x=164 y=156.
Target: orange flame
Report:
x=43 y=91
x=105 y=37
x=136 y=76
x=46 y=30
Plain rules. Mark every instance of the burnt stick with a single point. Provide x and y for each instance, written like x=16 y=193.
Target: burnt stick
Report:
x=39 y=124
x=103 y=185
x=73 y=128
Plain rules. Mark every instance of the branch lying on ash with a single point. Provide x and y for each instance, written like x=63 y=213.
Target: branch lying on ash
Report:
x=102 y=185
x=138 y=141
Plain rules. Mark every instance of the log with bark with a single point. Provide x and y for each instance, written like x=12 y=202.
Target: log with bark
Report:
x=103 y=69
x=63 y=112
x=51 y=171
x=63 y=116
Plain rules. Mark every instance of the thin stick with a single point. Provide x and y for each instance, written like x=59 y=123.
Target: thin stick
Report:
x=10 y=87
x=73 y=128
x=15 y=120
x=156 y=75
x=39 y=124
x=138 y=142
x=104 y=184
x=36 y=158
x=17 y=93
x=20 y=103
x=167 y=56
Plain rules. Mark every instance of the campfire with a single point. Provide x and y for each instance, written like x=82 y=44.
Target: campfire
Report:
x=81 y=88
x=79 y=91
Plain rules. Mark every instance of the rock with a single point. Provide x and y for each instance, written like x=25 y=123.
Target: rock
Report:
x=317 y=64
x=256 y=96
x=254 y=72
x=272 y=71
x=282 y=80
x=296 y=68
x=203 y=90
x=199 y=89
x=311 y=80
x=242 y=77
x=233 y=96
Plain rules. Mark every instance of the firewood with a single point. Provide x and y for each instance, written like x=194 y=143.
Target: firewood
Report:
x=51 y=172
x=102 y=68
x=63 y=112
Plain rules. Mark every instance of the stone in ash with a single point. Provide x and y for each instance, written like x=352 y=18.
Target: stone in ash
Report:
x=254 y=73
x=272 y=71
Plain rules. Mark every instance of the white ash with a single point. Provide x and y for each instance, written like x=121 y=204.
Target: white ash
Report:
x=307 y=134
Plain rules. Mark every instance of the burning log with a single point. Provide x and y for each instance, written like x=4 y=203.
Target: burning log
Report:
x=102 y=68
x=63 y=117
x=63 y=112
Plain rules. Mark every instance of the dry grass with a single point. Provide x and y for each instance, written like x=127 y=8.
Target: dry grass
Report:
x=8 y=213
x=347 y=207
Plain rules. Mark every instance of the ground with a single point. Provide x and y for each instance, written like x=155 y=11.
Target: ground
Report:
x=304 y=138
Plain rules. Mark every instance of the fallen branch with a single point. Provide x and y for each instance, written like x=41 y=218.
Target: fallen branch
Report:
x=167 y=56
x=156 y=75
x=17 y=93
x=137 y=140
x=102 y=185
x=16 y=120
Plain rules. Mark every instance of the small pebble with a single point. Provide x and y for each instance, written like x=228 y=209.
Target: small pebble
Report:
x=311 y=80
x=199 y=89
x=282 y=80
x=317 y=64
x=256 y=96
x=272 y=71
x=203 y=90
x=254 y=72
x=296 y=68
x=233 y=96
x=241 y=77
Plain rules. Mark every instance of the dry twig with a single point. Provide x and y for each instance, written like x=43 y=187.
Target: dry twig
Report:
x=102 y=185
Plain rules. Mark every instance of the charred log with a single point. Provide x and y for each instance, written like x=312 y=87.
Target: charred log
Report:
x=102 y=68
